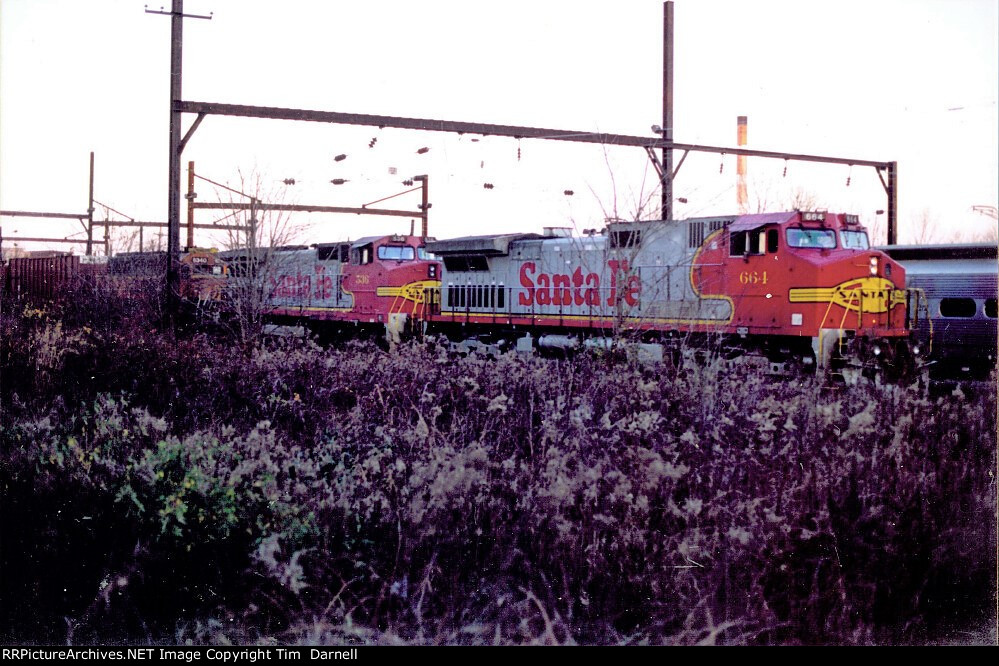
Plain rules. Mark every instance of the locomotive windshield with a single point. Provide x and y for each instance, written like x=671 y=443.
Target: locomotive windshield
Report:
x=823 y=239
x=854 y=240
x=396 y=252
x=422 y=253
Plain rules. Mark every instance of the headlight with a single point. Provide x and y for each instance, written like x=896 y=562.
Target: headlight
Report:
x=874 y=265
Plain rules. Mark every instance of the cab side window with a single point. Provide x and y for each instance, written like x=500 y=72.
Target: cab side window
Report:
x=737 y=246
x=748 y=242
x=773 y=237
x=361 y=255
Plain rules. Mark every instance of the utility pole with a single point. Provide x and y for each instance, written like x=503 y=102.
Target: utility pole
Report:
x=90 y=209
x=892 y=191
x=424 y=181
x=173 y=204
x=667 y=179
x=190 y=200
x=177 y=16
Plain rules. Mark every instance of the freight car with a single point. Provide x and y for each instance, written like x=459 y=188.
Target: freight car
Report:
x=42 y=279
x=203 y=274
x=795 y=288
x=959 y=282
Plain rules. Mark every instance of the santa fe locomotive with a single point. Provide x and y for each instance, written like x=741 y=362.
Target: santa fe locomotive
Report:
x=794 y=288
x=375 y=284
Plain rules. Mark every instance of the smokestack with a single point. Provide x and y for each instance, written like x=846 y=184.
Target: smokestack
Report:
x=741 y=197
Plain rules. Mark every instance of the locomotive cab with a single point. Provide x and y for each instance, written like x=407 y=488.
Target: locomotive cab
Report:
x=394 y=280
x=376 y=284
x=813 y=276
x=203 y=274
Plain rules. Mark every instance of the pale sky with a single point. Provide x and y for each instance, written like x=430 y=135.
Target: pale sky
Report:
x=909 y=80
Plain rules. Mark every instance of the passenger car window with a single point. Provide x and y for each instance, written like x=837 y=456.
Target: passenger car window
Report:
x=957 y=307
x=990 y=308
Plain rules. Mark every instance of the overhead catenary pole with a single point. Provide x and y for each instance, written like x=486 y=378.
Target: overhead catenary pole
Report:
x=892 y=190
x=173 y=188
x=667 y=179
x=90 y=209
x=424 y=181
x=190 y=200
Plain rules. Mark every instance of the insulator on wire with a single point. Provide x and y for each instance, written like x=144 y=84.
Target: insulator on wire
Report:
x=488 y=186
x=288 y=181
x=721 y=165
x=374 y=140
x=568 y=193
x=784 y=175
x=408 y=182
x=422 y=151
x=518 y=152
x=340 y=158
x=339 y=181
x=849 y=175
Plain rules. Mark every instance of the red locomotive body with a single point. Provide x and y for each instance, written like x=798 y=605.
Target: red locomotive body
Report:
x=375 y=281
x=808 y=275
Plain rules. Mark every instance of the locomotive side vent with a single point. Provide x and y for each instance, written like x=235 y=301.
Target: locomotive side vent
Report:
x=698 y=230
x=695 y=234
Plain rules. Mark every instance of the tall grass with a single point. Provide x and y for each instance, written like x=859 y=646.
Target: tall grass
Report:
x=163 y=489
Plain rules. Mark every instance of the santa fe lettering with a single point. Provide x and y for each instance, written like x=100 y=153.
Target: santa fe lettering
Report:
x=576 y=288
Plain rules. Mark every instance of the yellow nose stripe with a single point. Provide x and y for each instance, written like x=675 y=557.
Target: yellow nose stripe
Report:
x=875 y=295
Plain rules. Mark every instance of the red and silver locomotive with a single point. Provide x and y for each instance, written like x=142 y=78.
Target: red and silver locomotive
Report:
x=381 y=283
x=798 y=287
